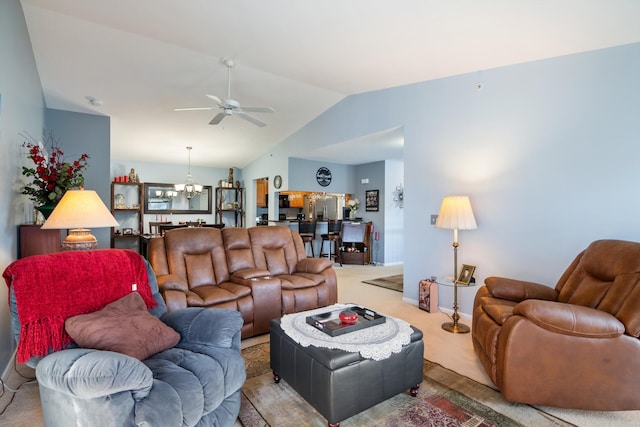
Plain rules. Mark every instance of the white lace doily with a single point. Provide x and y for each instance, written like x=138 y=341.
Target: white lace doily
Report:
x=375 y=342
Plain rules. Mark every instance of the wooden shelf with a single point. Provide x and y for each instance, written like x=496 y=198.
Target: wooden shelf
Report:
x=129 y=217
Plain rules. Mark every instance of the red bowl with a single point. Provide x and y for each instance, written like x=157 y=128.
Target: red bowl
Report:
x=348 y=317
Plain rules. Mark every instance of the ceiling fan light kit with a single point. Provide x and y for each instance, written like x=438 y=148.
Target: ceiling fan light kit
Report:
x=230 y=106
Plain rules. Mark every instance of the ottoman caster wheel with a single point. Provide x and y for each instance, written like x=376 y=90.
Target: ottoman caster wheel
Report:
x=276 y=377
x=413 y=391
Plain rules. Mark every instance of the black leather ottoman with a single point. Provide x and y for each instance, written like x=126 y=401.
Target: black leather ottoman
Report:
x=340 y=384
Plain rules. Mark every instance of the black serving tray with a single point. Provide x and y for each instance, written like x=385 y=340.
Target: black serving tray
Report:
x=330 y=323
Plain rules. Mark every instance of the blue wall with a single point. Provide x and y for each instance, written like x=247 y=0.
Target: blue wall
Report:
x=86 y=133
x=21 y=111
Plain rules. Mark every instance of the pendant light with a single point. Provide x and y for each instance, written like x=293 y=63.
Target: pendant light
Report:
x=189 y=188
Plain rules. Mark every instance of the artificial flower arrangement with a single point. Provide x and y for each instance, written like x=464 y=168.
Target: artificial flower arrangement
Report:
x=52 y=174
x=354 y=204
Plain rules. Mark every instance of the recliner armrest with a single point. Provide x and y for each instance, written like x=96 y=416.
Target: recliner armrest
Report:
x=570 y=319
x=313 y=265
x=519 y=290
x=88 y=373
x=172 y=282
x=250 y=273
x=212 y=327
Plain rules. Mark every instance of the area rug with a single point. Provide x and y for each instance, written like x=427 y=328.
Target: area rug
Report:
x=445 y=398
x=391 y=282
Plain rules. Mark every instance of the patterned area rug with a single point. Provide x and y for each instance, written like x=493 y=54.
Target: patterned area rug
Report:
x=391 y=282
x=444 y=399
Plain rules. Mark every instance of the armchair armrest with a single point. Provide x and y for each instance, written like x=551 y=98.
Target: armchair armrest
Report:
x=570 y=319
x=168 y=282
x=212 y=327
x=519 y=290
x=313 y=265
x=87 y=373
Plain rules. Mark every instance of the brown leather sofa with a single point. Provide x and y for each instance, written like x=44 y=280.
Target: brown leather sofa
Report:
x=262 y=272
x=575 y=346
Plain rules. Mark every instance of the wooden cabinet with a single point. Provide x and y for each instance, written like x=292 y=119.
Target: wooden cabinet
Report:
x=297 y=201
x=33 y=240
x=126 y=207
x=356 y=243
x=262 y=192
x=230 y=206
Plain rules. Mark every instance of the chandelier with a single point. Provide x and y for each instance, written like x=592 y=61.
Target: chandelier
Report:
x=189 y=188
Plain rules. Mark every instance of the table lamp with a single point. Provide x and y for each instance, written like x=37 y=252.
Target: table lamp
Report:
x=456 y=214
x=79 y=210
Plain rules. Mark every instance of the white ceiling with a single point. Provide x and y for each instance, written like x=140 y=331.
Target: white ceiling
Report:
x=142 y=58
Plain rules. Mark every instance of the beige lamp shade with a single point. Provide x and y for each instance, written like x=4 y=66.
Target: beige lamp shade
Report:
x=456 y=214
x=79 y=210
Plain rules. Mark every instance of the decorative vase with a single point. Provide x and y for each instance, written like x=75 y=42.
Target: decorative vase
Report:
x=46 y=210
x=352 y=213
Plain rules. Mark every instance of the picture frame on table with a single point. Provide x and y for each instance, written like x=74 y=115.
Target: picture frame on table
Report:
x=466 y=274
x=127 y=231
x=372 y=200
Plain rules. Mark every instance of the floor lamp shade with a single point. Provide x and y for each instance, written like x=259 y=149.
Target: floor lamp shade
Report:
x=456 y=214
x=79 y=210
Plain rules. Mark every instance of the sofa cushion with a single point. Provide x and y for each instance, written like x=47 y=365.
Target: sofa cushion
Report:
x=124 y=326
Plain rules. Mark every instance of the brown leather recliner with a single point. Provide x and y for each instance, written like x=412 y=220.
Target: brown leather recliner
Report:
x=575 y=346
x=262 y=272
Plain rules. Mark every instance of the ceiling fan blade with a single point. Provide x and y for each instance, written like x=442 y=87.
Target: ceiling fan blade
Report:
x=251 y=119
x=217 y=119
x=217 y=100
x=193 y=109
x=259 y=109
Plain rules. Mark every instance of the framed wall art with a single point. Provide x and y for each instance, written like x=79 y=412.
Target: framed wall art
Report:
x=371 y=200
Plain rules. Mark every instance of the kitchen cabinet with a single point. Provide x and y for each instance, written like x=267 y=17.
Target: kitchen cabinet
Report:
x=297 y=200
x=262 y=192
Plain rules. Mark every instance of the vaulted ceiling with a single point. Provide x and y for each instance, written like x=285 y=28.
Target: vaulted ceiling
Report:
x=140 y=59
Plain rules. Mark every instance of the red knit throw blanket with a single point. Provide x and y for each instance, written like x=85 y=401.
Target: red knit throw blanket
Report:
x=51 y=288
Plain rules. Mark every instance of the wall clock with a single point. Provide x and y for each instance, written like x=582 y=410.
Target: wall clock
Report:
x=323 y=176
x=277 y=181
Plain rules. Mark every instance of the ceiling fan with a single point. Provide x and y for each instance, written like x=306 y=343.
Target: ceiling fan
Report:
x=230 y=106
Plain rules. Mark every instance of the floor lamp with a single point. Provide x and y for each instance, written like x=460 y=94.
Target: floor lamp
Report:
x=456 y=214
x=78 y=210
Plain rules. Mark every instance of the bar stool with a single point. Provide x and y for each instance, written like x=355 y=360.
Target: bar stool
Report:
x=307 y=230
x=333 y=237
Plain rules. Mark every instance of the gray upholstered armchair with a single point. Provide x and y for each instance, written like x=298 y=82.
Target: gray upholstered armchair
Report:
x=195 y=382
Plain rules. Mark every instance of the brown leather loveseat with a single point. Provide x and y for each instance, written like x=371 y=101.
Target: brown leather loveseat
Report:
x=262 y=272
x=575 y=346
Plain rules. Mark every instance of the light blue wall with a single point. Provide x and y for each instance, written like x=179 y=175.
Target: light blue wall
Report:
x=546 y=151
x=21 y=110
x=86 y=133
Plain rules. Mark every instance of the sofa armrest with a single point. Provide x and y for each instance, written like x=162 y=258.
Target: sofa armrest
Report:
x=172 y=282
x=570 y=319
x=519 y=290
x=88 y=373
x=313 y=265
x=212 y=327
